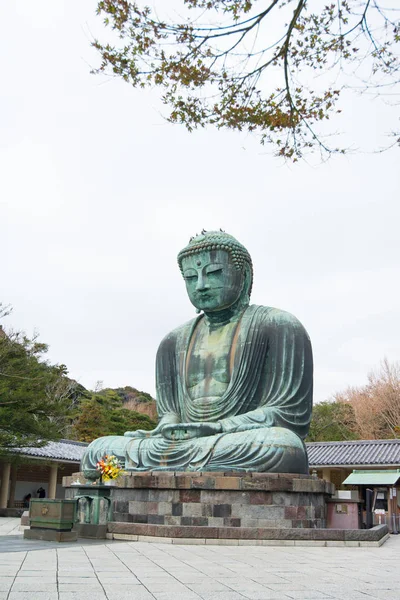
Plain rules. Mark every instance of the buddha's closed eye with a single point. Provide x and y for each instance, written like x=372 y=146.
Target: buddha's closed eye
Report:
x=216 y=272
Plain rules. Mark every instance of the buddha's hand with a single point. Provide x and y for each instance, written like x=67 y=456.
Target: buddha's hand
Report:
x=188 y=431
x=142 y=433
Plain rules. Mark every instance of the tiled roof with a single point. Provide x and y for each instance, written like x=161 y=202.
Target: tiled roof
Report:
x=63 y=450
x=354 y=453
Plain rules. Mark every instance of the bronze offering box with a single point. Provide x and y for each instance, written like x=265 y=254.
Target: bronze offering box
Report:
x=57 y=515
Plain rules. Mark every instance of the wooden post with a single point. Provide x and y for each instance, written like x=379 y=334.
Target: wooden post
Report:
x=326 y=474
x=395 y=509
x=390 y=512
x=5 y=485
x=53 y=481
x=13 y=483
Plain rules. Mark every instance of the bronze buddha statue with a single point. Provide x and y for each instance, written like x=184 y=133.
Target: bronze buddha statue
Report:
x=234 y=385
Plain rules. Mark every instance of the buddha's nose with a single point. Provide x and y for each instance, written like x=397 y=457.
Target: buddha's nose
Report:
x=202 y=284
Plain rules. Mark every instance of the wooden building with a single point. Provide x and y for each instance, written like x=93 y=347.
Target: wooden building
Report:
x=29 y=469
x=335 y=461
x=362 y=465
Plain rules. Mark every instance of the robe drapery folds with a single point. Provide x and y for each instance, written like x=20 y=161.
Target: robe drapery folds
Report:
x=265 y=412
x=271 y=383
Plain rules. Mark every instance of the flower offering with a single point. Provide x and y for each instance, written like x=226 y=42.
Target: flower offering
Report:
x=109 y=467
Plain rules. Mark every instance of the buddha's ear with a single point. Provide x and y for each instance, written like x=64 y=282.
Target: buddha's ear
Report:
x=247 y=282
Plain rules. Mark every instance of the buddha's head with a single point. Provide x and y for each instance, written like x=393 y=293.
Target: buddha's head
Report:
x=217 y=270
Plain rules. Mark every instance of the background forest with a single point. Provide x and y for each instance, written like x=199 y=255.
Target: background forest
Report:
x=39 y=402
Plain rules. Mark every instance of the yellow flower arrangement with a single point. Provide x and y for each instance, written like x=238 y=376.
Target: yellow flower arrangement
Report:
x=109 y=467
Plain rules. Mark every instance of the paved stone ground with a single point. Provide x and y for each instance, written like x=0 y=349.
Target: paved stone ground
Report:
x=142 y=571
x=9 y=526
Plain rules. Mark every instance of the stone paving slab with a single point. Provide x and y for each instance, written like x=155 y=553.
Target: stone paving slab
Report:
x=9 y=526
x=16 y=543
x=111 y=570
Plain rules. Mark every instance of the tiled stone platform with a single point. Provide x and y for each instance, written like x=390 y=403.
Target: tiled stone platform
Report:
x=220 y=500
x=248 y=536
x=137 y=570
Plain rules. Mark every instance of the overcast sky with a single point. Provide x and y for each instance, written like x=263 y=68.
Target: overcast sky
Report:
x=99 y=193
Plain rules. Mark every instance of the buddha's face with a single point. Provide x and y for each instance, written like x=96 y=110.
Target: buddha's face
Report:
x=212 y=281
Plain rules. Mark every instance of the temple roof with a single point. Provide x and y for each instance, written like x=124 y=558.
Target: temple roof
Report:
x=63 y=450
x=354 y=453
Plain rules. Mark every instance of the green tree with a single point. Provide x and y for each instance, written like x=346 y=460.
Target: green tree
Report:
x=103 y=414
x=332 y=421
x=276 y=67
x=36 y=397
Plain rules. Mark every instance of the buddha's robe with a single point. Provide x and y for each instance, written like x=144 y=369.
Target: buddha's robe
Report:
x=264 y=413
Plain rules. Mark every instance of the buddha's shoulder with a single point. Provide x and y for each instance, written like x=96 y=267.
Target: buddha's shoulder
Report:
x=178 y=333
x=270 y=315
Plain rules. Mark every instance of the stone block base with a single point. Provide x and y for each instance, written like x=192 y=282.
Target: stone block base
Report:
x=227 y=509
x=87 y=530
x=50 y=535
x=25 y=518
x=229 y=536
x=215 y=500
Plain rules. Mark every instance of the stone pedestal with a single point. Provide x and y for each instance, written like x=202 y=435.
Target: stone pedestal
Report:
x=183 y=502
x=223 y=500
x=93 y=504
x=224 y=508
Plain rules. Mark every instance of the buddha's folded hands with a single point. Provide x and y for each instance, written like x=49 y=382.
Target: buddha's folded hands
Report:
x=168 y=419
x=187 y=431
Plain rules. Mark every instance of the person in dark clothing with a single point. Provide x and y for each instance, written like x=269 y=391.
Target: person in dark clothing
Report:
x=41 y=492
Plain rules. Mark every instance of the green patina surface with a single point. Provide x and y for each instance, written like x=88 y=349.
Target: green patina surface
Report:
x=234 y=385
x=52 y=514
x=96 y=504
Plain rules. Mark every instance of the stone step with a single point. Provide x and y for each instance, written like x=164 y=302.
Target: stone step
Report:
x=165 y=531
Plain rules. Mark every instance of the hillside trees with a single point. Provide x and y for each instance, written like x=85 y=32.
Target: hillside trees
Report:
x=103 y=413
x=36 y=397
x=275 y=67
x=40 y=403
x=137 y=400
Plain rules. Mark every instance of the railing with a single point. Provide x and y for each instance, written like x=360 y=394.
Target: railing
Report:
x=393 y=522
